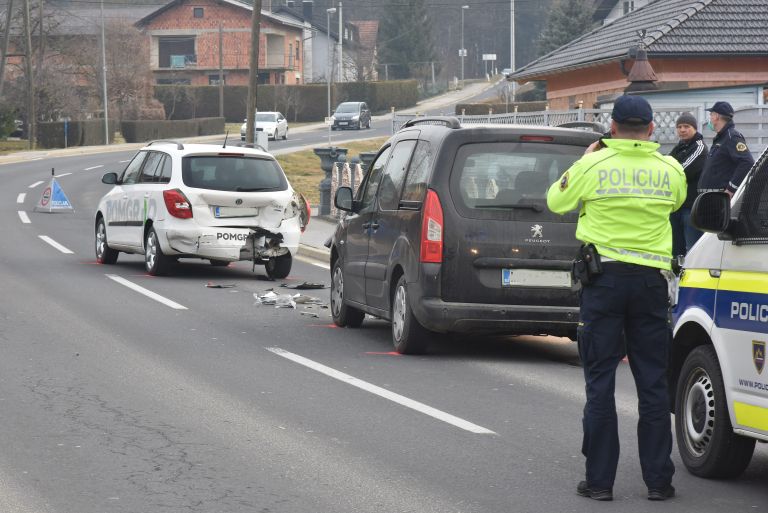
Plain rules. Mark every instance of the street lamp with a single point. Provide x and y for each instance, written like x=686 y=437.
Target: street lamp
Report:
x=330 y=11
x=462 y=51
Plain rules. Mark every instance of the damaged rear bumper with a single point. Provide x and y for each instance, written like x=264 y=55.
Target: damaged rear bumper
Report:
x=231 y=244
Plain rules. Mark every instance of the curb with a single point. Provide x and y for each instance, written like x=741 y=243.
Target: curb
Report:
x=322 y=255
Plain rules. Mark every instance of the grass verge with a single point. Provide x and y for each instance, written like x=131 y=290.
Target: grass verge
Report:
x=303 y=167
x=12 y=146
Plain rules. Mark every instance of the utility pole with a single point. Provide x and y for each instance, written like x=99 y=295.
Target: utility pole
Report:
x=40 y=45
x=104 y=77
x=30 y=79
x=5 y=45
x=328 y=13
x=463 y=51
x=253 y=75
x=221 y=70
x=341 y=37
x=512 y=45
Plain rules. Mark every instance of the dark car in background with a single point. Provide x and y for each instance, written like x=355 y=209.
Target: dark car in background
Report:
x=351 y=115
x=450 y=233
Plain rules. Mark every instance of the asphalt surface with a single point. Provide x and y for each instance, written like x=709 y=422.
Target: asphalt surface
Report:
x=200 y=400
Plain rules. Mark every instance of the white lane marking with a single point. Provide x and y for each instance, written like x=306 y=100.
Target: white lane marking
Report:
x=312 y=262
x=63 y=174
x=20 y=198
x=124 y=161
x=146 y=292
x=56 y=245
x=382 y=392
x=24 y=217
x=94 y=167
x=35 y=185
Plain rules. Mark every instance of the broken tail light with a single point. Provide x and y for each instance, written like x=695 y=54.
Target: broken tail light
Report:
x=177 y=204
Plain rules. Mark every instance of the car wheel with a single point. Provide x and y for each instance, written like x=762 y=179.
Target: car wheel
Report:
x=155 y=262
x=104 y=254
x=408 y=336
x=279 y=267
x=368 y=124
x=285 y=135
x=343 y=314
x=705 y=438
x=219 y=263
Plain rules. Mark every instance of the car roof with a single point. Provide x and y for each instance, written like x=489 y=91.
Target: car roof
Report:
x=202 y=149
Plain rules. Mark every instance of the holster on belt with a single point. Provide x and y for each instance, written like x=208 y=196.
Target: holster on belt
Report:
x=587 y=266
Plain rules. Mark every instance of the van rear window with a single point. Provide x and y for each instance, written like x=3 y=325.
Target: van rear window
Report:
x=498 y=176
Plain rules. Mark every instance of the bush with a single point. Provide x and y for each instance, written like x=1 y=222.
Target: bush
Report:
x=79 y=133
x=210 y=126
x=142 y=131
x=7 y=122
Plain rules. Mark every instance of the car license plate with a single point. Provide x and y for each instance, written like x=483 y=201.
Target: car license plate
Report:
x=535 y=278
x=342 y=123
x=235 y=211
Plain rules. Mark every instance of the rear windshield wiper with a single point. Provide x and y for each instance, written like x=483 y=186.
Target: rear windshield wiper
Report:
x=535 y=208
x=253 y=189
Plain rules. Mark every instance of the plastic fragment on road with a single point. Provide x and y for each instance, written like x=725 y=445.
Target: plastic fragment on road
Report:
x=285 y=301
x=310 y=314
x=304 y=286
x=212 y=285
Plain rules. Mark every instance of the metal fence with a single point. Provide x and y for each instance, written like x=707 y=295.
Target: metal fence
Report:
x=752 y=121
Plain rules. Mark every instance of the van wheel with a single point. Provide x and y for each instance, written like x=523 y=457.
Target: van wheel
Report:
x=155 y=262
x=219 y=263
x=408 y=336
x=285 y=135
x=279 y=267
x=343 y=314
x=705 y=438
x=104 y=254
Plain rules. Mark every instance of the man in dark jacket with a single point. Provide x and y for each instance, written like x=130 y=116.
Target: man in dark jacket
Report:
x=691 y=152
x=729 y=158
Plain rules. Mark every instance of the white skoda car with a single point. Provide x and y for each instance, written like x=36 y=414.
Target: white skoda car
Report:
x=204 y=201
x=273 y=123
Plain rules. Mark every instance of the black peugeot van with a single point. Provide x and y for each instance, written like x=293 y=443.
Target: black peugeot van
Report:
x=450 y=233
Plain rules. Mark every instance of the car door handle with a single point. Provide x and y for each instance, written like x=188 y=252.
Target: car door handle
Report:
x=366 y=226
x=375 y=225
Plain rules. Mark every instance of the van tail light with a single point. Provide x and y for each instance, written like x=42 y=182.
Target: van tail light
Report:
x=177 y=204
x=432 y=229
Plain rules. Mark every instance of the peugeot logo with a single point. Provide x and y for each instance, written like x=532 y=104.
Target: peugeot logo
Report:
x=537 y=231
x=238 y=201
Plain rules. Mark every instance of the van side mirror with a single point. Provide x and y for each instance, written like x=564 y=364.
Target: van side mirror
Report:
x=711 y=212
x=343 y=199
x=109 y=178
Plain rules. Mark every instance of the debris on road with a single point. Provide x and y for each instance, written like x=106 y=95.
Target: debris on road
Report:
x=310 y=314
x=212 y=285
x=304 y=286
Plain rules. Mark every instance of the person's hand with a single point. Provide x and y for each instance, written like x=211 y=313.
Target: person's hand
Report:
x=592 y=147
x=730 y=194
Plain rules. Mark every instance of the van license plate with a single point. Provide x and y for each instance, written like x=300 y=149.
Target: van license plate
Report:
x=535 y=278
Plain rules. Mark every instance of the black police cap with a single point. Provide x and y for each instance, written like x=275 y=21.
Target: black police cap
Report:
x=723 y=108
x=632 y=109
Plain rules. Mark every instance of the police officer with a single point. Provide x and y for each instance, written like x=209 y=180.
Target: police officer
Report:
x=627 y=192
x=729 y=158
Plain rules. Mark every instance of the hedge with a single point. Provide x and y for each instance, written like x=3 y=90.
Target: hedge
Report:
x=150 y=130
x=297 y=102
x=79 y=133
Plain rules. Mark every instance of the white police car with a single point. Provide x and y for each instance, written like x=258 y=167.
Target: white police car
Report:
x=204 y=201
x=718 y=366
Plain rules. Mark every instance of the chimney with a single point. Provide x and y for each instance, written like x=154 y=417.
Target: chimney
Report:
x=641 y=76
x=306 y=9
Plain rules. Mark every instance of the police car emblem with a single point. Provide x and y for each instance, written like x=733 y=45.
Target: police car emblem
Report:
x=758 y=355
x=741 y=147
x=564 y=182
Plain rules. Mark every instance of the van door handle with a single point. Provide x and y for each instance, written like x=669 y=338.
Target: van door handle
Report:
x=366 y=226
x=375 y=225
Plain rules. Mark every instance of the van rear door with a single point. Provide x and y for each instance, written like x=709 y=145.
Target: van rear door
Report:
x=501 y=241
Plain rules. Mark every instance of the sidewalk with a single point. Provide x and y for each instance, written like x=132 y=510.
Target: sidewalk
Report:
x=313 y=239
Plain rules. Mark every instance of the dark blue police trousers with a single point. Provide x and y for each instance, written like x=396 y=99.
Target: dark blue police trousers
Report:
x=625 y=313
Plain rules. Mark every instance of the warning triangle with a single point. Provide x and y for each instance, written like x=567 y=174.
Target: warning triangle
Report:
x=53 y=199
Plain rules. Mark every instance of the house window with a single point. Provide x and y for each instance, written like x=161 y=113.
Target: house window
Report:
x=297 y=51
x=198 y=12
x=214 y=79
x=629 y=6
x=346 y=33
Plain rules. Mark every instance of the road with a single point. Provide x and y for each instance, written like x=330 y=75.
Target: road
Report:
x=197 y=399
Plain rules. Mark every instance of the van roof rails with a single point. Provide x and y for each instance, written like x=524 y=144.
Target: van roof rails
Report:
x=179 y=146
x=587 y=125
x=449 y=121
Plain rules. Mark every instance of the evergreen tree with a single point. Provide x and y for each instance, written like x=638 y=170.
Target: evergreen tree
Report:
x=405 y=38
x=568 y=19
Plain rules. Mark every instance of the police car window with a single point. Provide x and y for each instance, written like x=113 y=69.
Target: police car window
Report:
x=164 y=172
x=394 y=176
x=233 y=173
x=367 y=192
x=131 y=173
x=151 y=163
x=755 y=208
x=418 y=173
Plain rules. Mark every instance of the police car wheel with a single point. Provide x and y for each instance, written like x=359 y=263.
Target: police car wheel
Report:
x=343 y=314
x=104 y=254
x=156 y=263
x=408 y=336
x=279 y=267
x=219 y=263
x=705 y=438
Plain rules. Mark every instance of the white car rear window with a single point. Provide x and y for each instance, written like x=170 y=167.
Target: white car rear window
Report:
x=233 y=173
